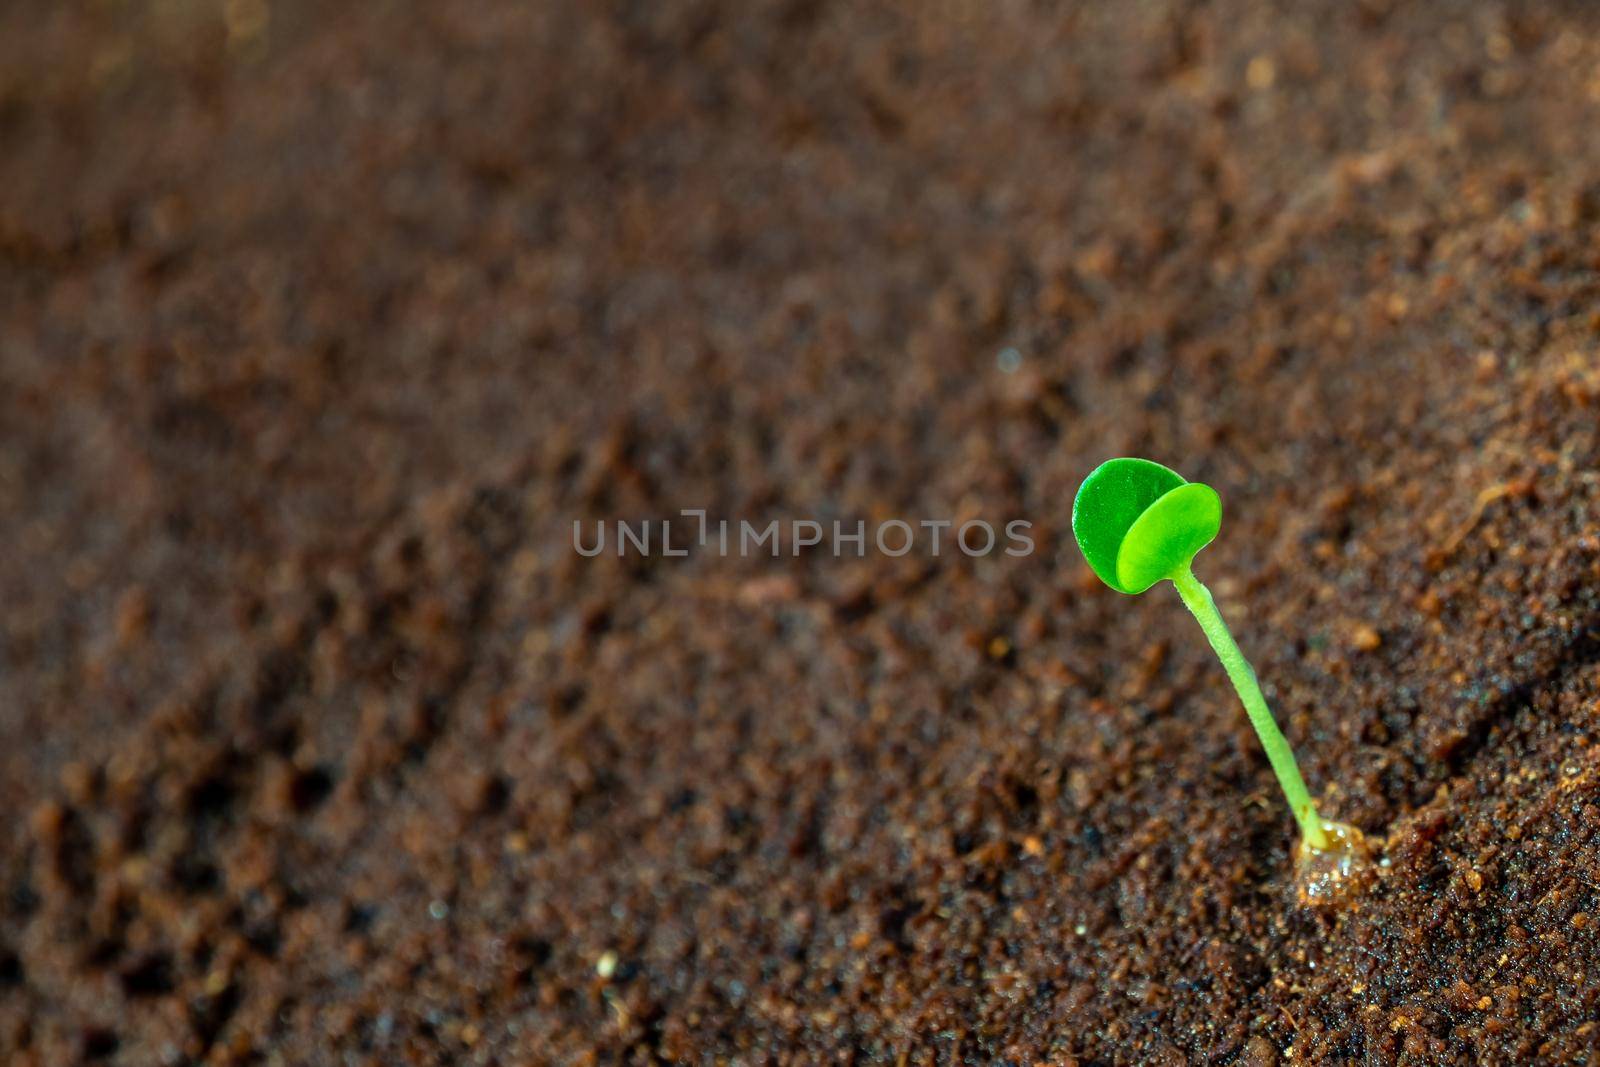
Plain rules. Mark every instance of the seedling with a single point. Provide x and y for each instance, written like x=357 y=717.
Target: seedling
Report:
x=1139 y=523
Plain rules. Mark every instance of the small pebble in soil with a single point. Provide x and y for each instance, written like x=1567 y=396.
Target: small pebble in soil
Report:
x=1365 y=638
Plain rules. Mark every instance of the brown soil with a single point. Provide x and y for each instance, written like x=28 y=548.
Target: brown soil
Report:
x=320 y=324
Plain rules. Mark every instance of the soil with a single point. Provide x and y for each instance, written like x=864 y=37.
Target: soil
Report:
x=320 y=325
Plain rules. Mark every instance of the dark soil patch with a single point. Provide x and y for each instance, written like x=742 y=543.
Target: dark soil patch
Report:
x=320 y=325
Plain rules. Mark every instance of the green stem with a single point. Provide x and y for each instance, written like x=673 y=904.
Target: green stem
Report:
x=1197 y=598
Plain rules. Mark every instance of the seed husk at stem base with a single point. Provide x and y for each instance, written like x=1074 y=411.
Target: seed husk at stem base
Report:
x=1197 y=598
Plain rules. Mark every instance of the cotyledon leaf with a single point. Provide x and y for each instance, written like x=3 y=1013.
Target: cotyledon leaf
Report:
x=1138 y=522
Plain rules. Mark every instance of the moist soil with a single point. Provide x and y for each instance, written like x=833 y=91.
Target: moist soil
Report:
x=320 y=325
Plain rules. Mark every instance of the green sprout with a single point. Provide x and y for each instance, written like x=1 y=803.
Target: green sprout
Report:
x=1138 y=523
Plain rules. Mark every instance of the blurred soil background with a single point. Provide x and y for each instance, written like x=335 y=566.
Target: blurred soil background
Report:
x=321 y=324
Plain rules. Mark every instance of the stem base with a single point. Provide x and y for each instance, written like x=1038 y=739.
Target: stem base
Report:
x=1331 y=875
